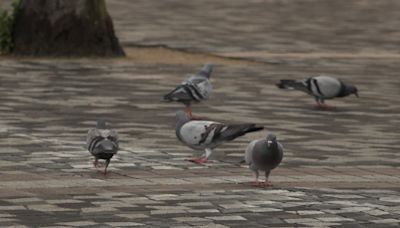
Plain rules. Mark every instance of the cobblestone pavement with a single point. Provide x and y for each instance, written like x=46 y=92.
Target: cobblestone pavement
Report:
x=277 y=26
x=340 y=167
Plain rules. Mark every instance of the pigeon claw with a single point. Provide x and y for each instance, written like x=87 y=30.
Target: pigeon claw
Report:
x=199 y=160
x=323 y=107
x=267 y=184
x=319 y=107
x=261 y=184
x=105 y=172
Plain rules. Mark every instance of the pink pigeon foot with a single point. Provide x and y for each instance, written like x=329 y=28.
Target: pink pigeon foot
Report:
x=200 y=160
x=267 y=184
x=323 y=107
x=255 y=183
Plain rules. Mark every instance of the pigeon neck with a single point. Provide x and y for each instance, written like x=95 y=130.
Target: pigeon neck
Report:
x=179 y=124
x=272 y=149
x=205 y=72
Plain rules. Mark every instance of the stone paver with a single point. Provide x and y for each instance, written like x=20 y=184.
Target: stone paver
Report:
x=340 y=169
x=255 y=28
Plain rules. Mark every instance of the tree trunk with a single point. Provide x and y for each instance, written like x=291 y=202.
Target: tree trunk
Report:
x=64 y=28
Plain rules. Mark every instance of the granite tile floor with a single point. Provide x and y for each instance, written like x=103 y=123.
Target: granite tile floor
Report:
x=340 y=167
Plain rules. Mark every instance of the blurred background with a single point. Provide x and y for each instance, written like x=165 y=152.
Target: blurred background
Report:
x=49 y=101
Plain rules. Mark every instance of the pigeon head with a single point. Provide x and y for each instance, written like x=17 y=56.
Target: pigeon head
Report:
x=207 y=69
x=101 y=124
x=271 y=140
x=352 y=90
x=348 y=90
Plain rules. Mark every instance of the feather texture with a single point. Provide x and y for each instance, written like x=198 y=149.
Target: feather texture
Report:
x=195 y=89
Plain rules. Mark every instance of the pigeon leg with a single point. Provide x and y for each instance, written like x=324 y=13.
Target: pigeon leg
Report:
x=321 y=105
x=207 y=154
x=191 y=116
x=267 y=183
x=204 y=158
x=198 y=160
x=95 y=161
x=105 y=168
x=189 y=111
x=256 y=183
x=327 y=107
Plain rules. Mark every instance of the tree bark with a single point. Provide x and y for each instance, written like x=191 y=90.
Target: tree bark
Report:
x=64 y=28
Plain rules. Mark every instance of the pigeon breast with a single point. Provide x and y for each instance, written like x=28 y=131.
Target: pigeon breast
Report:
x=97 y=136
x=266 y=158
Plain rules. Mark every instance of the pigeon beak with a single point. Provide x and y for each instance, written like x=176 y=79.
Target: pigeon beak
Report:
x=269 y=143
x=356 y=94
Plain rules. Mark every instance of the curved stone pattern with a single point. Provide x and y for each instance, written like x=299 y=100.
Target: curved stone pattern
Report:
x=237 y=27
x=47 y=107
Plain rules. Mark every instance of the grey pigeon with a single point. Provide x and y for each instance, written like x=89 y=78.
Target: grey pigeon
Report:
x=102 y=143
x=197 y=88
x=321 y=87
x=264 y=155
x=207 y=135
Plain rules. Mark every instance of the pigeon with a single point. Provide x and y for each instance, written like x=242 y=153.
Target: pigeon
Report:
x=102 y=143
x=265 y=155
x=207 y=135
x=321 y=87
x=195 y=89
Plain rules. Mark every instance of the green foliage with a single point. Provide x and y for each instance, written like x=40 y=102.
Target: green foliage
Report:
x=6 y=25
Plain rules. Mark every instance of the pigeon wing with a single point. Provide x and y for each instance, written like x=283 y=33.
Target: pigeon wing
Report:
x=200 y=87
x=91 y=137
x=181 y=93
x=325 y=86
x=233 y=131
x=199 y=134
x=248 y=155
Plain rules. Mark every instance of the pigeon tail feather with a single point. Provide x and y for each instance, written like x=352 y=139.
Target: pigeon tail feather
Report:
x=291 y=84
x=236 y=130
x=184 y=93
